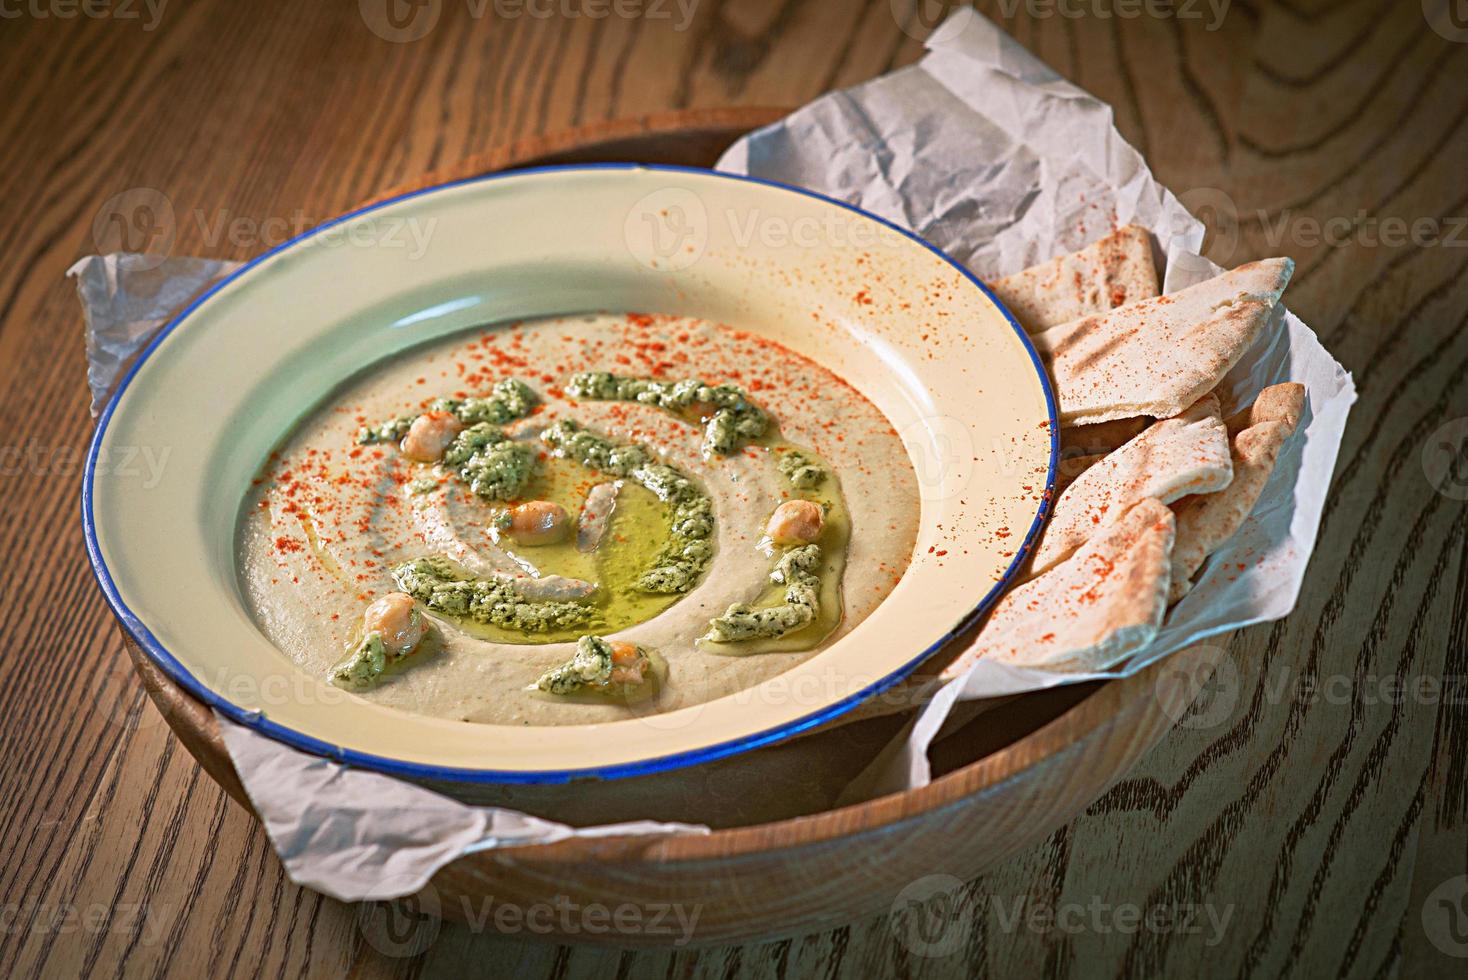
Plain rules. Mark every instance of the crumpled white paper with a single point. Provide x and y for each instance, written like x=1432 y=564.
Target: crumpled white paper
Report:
x=125 y=299
x=359 y=835
x=984 y=151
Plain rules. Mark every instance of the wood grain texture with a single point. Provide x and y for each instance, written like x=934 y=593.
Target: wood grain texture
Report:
x=1318 y=807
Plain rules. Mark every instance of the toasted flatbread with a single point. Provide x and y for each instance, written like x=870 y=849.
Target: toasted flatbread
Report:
x=1278 y=403
x=1106 y=274
x=1206 y=521
x=1184 y=455
x=1091 y=611
x=1159 y=356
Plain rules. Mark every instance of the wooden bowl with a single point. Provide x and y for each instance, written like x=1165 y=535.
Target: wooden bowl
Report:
x=782 y=858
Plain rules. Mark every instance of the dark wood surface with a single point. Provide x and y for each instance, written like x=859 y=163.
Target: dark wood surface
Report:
x=1317 y=809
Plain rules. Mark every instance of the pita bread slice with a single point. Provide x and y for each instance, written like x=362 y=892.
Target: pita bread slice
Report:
x=1091 y=611
x=1169 y=460
x=1106 y=274
x=1206 y=521
x=1158 y=356
x=1277 y=403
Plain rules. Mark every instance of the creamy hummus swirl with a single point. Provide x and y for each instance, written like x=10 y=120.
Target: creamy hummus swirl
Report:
x=329 y=519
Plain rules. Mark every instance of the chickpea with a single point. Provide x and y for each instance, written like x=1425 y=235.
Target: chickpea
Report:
x=795 y=522
x=429 y=435
x=538 y=522
x=628 y=663
x=394 y=617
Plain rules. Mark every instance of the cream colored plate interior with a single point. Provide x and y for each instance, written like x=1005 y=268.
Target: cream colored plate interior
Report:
x=898 y=320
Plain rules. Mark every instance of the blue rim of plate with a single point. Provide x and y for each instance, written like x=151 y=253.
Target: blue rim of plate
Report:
x=414 y=770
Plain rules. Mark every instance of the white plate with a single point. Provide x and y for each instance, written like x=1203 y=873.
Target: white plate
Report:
x=235 y=372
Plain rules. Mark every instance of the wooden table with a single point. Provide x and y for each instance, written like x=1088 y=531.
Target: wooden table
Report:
x=1314 y=820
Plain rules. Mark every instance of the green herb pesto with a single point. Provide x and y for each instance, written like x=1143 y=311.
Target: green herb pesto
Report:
x=392 y=430
x=796 y=570
x=735 y=420
x=493 y=465
x=590 y=670
x=509 y=399
x=690 y=540
x=422 y=485
x=368 y=661
x=437 y=584
x=801 y=470
x=364 y=665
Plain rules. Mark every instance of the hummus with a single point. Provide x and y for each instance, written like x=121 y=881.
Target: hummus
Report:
x=668 y=442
